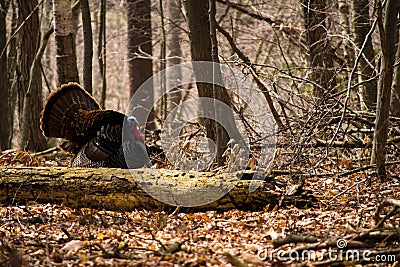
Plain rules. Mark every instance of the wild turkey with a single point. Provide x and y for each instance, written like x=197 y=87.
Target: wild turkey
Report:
x=93 y=135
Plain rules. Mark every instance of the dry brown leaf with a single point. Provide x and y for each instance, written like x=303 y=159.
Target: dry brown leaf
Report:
x=74 y=246
x=250 y=258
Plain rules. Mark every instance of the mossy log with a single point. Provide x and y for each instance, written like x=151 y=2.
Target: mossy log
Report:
x=118 y=189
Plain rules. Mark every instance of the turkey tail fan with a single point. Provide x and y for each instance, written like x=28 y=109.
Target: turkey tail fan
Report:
x=61 y=106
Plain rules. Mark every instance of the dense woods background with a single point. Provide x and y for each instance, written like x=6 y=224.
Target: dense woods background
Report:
x=329 y=73
x=327 y=69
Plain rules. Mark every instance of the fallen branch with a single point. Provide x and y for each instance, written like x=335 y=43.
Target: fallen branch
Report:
x=352 y=144
x=364 y=168
x=347 y=189
x=387 y=202
x=47 y=151
x=342 y=144
x=294 y=239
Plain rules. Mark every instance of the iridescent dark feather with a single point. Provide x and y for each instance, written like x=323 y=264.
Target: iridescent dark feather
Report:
x=93 y=135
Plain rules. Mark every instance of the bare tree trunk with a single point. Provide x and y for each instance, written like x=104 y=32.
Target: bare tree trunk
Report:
x=12 y=66
x=48 y=57
x=102 y=52
x=67 y=70
x=345 y=18
x=366 y=67
x=27 y=115
x=388 y=40
x=220 y=93
x=28 y=41
x=174 y=51
x=163 y=64
x=203 y=47
x=5 y=101
x=87 y=45
x=12 y=47
x=140 y=53
x=76 y=10
x=395 y=98
x=319 y=48
x=200 y=47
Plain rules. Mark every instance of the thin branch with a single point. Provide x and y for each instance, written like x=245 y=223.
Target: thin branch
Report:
x=387 y=202
x=274 y=23
x=251 y=14
x=20 y=27
x=260 y=84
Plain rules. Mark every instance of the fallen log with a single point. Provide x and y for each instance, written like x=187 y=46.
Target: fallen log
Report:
x=118 y=189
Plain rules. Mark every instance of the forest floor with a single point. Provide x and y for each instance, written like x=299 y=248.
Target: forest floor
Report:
x=343 y=228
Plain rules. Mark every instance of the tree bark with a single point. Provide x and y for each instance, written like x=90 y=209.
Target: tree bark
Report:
x=102 y=52
x=5 y=93
x=388 y=40
x=48 y=57
x=28 y=41
x=12 y=59
x=163 y=112
x=366 y=67
x=12 y=46
x=200 y=47
x=118 y=189
x=395 y=97
x=67 y=70
x=220 y=93
x=345 y=18
x=87 y=45
x=30 y=92
x=140 y=55
x=203 y=48
x=174 y=51
x=319 y=48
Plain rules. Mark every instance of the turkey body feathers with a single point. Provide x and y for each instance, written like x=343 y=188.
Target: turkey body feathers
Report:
x=93 y=135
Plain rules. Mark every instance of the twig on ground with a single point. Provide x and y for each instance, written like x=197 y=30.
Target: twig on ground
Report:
x=47 y=151
x=294 y=239
x=350 y=187
x=387 y=202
